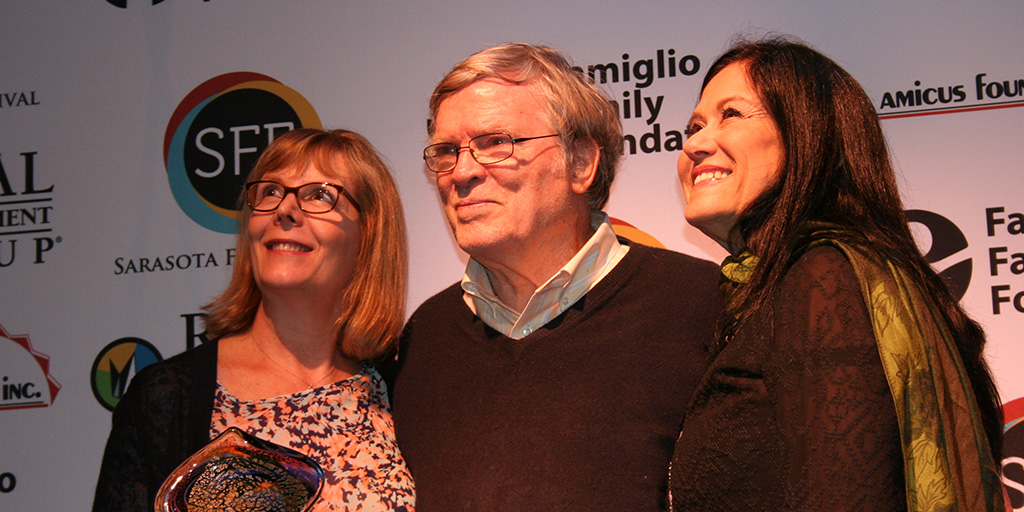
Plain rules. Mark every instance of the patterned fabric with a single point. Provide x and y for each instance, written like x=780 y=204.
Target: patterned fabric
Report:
x=736 y=270
x=346 y=427
x=946 y=464
x=593 y=261
x=794 y=412
x=947 y=461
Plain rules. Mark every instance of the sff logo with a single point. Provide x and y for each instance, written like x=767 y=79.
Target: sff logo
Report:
x=215 y=136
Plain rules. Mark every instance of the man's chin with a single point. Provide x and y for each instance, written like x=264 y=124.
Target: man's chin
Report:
x=478 y=245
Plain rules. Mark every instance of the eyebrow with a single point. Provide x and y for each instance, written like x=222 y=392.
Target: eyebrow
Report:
x=734 y=98
x=723 y=102
x=437 y=140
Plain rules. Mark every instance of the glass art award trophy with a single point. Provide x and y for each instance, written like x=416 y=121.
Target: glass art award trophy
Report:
x=237 y=471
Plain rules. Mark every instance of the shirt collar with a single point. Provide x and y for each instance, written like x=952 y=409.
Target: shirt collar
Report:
x=578 y=276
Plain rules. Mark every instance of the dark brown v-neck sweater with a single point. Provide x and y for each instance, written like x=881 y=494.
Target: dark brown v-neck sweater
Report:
x=582 y=414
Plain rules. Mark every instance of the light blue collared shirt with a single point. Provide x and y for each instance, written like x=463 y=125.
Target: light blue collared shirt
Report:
x=593 y=261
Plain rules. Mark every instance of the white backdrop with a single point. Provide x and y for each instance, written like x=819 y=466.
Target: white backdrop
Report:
x=88 y=89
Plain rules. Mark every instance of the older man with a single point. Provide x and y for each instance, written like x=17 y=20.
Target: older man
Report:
x=556 y=374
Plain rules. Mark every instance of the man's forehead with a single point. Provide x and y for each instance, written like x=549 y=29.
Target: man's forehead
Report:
x=489 y=89
x=492 y=104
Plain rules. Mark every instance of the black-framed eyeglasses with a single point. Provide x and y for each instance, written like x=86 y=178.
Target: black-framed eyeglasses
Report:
x=266 y=196
x=489 y=148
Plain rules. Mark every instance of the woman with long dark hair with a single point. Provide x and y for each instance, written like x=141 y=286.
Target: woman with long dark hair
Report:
x=847 y=376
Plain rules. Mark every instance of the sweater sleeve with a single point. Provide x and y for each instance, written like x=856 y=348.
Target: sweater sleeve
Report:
x=162 y=419
x=836 y=420
x=122 y=485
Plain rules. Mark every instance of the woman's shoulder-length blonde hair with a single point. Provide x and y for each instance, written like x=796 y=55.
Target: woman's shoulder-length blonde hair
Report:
x=374 y=301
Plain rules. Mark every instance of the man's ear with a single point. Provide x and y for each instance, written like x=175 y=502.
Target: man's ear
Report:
x=585 y=170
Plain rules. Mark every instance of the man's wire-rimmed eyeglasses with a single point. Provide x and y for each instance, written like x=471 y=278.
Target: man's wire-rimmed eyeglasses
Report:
x=489 y=148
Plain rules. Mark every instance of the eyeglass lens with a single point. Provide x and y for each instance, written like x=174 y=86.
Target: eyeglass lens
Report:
x=312 y=197
x=489 y=148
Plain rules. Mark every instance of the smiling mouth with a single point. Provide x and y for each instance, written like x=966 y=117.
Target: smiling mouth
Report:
x=710 y=176
x=287 y=246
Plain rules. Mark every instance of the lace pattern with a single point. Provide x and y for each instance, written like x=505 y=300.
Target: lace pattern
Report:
x=795 y=412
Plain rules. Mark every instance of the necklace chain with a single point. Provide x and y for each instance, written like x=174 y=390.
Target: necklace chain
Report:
x=289 y=372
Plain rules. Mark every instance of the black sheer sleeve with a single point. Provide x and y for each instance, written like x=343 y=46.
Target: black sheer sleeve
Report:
x=161 y=420
x=795 y=413
x=158 y=423
x=122 y=484
x=836 y=418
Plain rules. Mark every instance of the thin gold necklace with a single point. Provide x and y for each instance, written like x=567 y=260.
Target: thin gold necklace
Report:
x=289 y=372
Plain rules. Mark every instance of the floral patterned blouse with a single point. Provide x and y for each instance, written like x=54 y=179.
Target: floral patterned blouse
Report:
x=345 y=426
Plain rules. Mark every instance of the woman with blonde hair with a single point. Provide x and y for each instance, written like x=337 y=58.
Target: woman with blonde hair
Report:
x=316 y=298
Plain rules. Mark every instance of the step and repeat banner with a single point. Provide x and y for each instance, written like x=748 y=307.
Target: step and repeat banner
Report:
x=127 y=126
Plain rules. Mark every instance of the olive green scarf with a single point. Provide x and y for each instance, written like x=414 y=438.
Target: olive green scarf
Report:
x=947 y=462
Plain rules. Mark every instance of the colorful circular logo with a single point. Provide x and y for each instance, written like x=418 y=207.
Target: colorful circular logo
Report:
x=116 y=365
x=215 y=136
